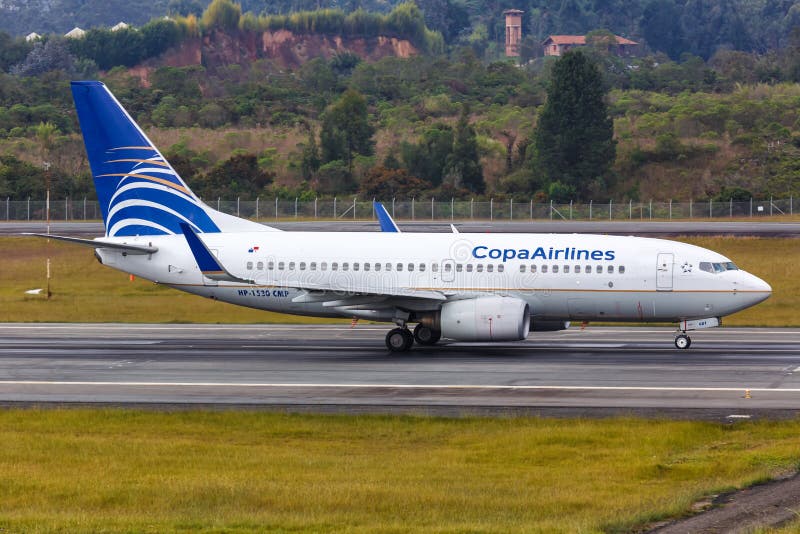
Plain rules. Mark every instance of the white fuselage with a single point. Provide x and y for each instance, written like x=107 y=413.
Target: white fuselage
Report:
x=560 y=276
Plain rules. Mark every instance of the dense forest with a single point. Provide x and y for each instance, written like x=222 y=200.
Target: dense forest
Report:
x=450 y=121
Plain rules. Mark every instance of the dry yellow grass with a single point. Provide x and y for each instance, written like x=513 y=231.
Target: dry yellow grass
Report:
x=85 y=291
x=134 y=471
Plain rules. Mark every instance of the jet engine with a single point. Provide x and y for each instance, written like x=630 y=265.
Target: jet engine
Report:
x=548 y=326
x=485 y=319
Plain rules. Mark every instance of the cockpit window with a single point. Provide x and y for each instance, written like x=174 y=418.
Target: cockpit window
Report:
x=710 y=267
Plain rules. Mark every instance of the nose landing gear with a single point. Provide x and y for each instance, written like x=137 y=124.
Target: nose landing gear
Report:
x=682 y=341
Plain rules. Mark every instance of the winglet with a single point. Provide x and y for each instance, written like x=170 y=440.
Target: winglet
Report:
x=385 y=220
x=209 y=265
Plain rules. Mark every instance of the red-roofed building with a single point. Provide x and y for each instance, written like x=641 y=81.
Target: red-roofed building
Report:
x=555 y=45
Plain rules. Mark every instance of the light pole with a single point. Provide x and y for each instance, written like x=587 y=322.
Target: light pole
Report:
x=46 y=166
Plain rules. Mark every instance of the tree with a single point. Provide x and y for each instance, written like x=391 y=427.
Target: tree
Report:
x=346 y=129
x=661 y=27
x=573 y=142
x=310 y=160
x=222 y=14
x=383 y=183
x=45 y=57
x=463 y=167
x=427 y=158
x=239 y=175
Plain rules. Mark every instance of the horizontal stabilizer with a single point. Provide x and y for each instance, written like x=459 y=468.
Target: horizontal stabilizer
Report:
x=208 y=264
x=95 y=243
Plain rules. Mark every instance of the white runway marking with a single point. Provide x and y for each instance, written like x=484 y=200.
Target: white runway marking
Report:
x=391 y=386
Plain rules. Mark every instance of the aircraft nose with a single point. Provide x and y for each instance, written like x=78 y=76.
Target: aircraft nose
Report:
x=758 y=288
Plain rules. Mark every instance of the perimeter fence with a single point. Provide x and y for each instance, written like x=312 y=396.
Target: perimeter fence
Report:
x=426 y=210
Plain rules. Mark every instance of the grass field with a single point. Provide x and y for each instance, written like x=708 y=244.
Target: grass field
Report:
x=85 y=291
x=138 y=471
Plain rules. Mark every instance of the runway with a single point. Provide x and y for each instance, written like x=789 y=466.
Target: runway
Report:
x=728 y=373
x=640 y=228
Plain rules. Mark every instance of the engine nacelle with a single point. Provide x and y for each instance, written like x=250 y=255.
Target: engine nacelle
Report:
x=485 y=319
x=548 y=326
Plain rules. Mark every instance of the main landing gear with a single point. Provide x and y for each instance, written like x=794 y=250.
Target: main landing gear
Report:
x=401 y=339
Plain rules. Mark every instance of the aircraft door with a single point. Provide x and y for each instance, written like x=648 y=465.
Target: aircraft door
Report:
x=448 y=270
x=664 y=268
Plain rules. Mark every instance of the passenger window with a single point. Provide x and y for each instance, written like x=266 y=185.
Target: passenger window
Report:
x=448 y=267
x=599 y=269
x=260 y=266
x=588 y=269
x=566 y=269
x=323 y=266
x=544 y=268
x=291 y=266
x=271 y=266
x=377 y=266
x=388 y=266
x=555 y=268
x=410 y=267
x=334 y=266
x=610 y=269
x=479 y=267
x=459 y=267
x=302 y=266
x=280 y=265
x=533 y=268
x=399 y=266
x=490 y=268
x=435 y=267
x=577 y=269
x=469 y=267
x=355 y=266
x=313 y=266
x=366 y=266
x=249 y=265
x=501 y=268
x=345 y=266
x=522 y=268
x=621 y=269
x=421 y=267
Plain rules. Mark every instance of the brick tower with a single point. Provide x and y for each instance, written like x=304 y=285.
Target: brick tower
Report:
x=513 y=31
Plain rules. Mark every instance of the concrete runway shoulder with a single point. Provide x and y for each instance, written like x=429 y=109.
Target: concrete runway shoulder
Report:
x=728 y=373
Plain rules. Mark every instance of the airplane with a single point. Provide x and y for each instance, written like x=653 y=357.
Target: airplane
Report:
x=457 y=286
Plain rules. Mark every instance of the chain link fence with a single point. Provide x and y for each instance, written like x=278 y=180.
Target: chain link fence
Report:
x=425 y=210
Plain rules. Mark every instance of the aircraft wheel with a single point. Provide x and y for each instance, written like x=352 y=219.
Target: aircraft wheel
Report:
x=426 y=336
x=683 y=341
x=399 y=340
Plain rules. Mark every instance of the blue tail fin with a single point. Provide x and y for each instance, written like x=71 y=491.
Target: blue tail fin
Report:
x=138 y=190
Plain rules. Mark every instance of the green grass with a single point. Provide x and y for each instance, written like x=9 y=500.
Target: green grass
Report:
x=138 y=471
x=85 y=291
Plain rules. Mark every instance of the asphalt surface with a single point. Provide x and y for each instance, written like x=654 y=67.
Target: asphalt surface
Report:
x=727 y=373
x=642 y=228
